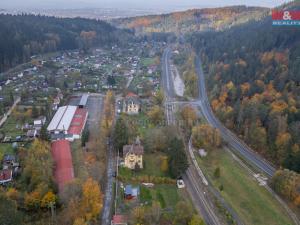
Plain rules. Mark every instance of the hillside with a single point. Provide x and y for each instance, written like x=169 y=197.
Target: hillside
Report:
x=22 y=36
x=254 y=77
x=193 y=20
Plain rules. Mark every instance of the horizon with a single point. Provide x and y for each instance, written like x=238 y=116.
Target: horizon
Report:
x=132 y=4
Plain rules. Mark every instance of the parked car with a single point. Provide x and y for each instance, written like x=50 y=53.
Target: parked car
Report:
x=180 y=184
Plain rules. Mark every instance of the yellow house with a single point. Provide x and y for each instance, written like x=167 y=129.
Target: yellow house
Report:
x=131 y=104
x=133 y=155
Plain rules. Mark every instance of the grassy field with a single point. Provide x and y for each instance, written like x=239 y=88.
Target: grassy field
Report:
x=167 y=195
x=148 y=61
x=6 y=149
x=253 y=203
x=12 y=127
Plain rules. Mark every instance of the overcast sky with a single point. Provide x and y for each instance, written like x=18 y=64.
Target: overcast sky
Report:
x=138 y=4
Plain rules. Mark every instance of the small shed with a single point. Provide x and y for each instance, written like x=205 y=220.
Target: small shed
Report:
x=5 y=176
x=131 y=192
x=202 y=153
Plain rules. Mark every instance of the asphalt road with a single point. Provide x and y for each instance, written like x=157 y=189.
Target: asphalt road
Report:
x=235 y=143
x=108 y=201
x=193 y=181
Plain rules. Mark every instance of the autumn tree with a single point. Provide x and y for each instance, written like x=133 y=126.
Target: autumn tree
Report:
x=108 y=112
x=48 y=199
x=158 y=98
x=138 y=215
x=156 y=114
x=92 y=200
x=206 y=136
x=287 y=184
x=189 y=116
x=256 y=136
x=196 y=220
x=38 y=165
x=164 y=164
x=283 y=141
x=87 y=39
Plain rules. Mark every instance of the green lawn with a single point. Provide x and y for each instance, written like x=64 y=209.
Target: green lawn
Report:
x=6 y=149
x=147 y=61
x=152 y=164
x=167 y=195
x=12 y=127
x=253 y=203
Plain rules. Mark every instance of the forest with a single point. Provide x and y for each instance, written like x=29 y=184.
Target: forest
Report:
x=22 y=36
x=192 y=20
x=254 y=85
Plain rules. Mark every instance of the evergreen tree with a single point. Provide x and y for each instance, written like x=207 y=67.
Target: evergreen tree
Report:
x=35 y=112
x=120 y=134
x=44 y=134
x=178 y=162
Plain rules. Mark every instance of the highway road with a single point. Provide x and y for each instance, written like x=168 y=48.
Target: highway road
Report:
x=237 y=145
x=234 y=142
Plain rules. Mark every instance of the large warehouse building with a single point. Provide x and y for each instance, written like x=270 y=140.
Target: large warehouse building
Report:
x=68 y=123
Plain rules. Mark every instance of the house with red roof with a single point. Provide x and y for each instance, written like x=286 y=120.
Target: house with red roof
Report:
x=63 y=170
x=6 y=176
x=119 y=220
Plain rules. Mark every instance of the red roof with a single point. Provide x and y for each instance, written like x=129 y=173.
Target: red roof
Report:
x=130 y=94
x=78 y=121
x=61 y=153
x=119 y=219
x=5 y=175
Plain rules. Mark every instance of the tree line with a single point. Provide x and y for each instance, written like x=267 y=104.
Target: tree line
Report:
x=22 y=36
x=254 y=87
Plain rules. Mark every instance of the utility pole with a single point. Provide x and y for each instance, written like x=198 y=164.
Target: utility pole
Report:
x=51 y=205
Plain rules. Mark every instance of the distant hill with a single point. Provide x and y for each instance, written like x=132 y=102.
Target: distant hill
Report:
x=193 y=20
x=22 y=36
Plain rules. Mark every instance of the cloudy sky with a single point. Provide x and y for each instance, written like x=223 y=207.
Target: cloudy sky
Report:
x=141 y=4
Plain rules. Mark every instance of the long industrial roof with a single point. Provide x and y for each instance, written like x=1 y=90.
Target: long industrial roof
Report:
x=78 y=121
x=62 y=118
x=83 y=99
